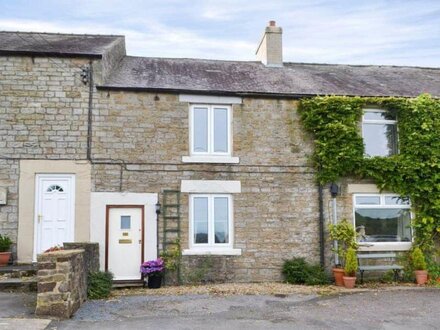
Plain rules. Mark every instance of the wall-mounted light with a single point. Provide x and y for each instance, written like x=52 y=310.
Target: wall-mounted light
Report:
x=158 y=206
x=334 y=190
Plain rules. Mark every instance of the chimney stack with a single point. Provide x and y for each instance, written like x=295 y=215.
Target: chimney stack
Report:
x=270 y=50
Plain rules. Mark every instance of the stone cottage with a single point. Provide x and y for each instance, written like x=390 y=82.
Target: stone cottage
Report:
x=137 y=152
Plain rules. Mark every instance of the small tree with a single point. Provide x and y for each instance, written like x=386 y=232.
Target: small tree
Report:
x=351 y=263
x=344 y=233
x=418 y=259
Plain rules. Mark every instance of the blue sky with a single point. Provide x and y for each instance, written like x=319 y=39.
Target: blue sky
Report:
x=355 y=32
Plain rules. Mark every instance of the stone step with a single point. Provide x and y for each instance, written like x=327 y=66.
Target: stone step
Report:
x=16 y=271
x=127 y=284
x=28 y=284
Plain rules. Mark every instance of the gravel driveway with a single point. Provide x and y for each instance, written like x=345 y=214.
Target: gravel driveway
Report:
x=406 y=308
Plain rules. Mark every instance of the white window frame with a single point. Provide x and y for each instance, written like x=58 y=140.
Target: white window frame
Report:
x=378 y=121
x=211 y=247
x=382 y=246
x=210 y=141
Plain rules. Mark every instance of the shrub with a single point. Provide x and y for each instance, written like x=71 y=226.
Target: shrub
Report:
x=418 y=259
x=351 y=263
x=345 y=234
x=99 y=285
x=5 y=243
x=298 y=271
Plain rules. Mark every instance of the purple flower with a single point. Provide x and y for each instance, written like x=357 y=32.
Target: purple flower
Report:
x=153 y=267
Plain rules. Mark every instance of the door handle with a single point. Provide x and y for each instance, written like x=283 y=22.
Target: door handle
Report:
x=39 y=218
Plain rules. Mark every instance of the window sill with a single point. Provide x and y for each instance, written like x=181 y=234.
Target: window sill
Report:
x=214 y=252
x=385 y=246
x=211 y=159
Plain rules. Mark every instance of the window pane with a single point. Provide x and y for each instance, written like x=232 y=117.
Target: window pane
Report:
x=220 y=130
x=200 y=134
x=125 y=222
x=380 y=139
x=200 y=220
x=396 y=200
x=367 y=200
x=378 y=115
x=384 y=225
x=221 y=219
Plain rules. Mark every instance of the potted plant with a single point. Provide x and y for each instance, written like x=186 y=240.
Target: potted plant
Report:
x=344 y=233
x=419 y=265
x=153 y=269
x=5 y=254
x=350 y=268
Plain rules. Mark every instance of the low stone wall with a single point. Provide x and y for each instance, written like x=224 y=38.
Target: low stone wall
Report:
x=62 y=283
x=91 y=254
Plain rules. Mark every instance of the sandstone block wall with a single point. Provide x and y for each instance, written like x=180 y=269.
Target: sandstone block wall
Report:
x=91 y=254
x=275 y=215
x=62 y=283
x=43 y=115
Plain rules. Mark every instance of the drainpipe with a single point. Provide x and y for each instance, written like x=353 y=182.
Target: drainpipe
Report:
x=321 y=225
x=89 y=114
x=334 y=189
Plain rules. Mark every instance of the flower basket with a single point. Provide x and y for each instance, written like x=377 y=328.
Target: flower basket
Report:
x=153 y=269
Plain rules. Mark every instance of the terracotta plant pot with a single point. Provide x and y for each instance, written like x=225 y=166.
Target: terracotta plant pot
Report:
x=421 y=276
x=338 y=273
x=4 y=258
x=349 y=281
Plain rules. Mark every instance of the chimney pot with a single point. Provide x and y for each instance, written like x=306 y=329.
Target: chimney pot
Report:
x=270 y=50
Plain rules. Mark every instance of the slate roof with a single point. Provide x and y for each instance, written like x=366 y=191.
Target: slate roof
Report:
x=55 y=44
x=253 y=78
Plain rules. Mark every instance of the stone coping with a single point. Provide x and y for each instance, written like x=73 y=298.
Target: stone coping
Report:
x=58 y=254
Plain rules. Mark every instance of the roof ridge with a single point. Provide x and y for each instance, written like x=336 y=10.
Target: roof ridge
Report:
x=286 y=63
x=65 y=34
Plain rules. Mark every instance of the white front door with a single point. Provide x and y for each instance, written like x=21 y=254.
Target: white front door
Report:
x=54 y=210
x=125 y=244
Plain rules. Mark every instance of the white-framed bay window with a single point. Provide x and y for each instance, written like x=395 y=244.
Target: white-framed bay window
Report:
x=379 y=132
x=382 y=220
x=210 y=130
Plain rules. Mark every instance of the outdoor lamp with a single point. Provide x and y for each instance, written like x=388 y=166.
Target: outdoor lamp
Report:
x=334 y=190
x=158 y=206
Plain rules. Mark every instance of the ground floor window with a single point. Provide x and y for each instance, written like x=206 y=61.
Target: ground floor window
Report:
x=382 y=218
x=211 y=220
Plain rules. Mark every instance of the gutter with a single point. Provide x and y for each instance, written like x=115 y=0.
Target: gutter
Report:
x=241 y=94
x=47 y=54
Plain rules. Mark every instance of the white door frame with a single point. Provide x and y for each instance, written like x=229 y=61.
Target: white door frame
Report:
x=38 y=201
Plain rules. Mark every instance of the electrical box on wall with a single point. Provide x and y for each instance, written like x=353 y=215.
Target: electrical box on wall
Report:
x=3 y=195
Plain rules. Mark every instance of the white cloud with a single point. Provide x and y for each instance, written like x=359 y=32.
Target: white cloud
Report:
x=374 y=32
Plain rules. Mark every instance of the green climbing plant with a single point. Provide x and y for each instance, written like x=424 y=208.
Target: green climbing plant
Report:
x=414 y=172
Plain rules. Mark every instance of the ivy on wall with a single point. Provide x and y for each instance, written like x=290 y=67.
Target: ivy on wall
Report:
x=414 y=172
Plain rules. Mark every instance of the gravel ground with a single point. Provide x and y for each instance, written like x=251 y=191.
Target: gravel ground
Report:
x=382 y=308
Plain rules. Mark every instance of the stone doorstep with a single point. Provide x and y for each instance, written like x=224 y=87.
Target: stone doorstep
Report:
x=19 y=284
x=21 y=270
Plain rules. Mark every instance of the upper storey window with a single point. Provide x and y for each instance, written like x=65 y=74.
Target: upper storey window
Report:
x=210 y=130
x=379 y=131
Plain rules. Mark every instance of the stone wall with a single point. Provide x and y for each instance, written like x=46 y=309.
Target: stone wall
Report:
x=62 y=283
x=91 y=254
x=43 y=115
x=9 y=172
x=275 y=215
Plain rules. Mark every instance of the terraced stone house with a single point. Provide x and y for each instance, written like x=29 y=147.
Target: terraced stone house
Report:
x=136 y=152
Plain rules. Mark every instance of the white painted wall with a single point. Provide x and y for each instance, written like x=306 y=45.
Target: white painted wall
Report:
x=99 y=200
